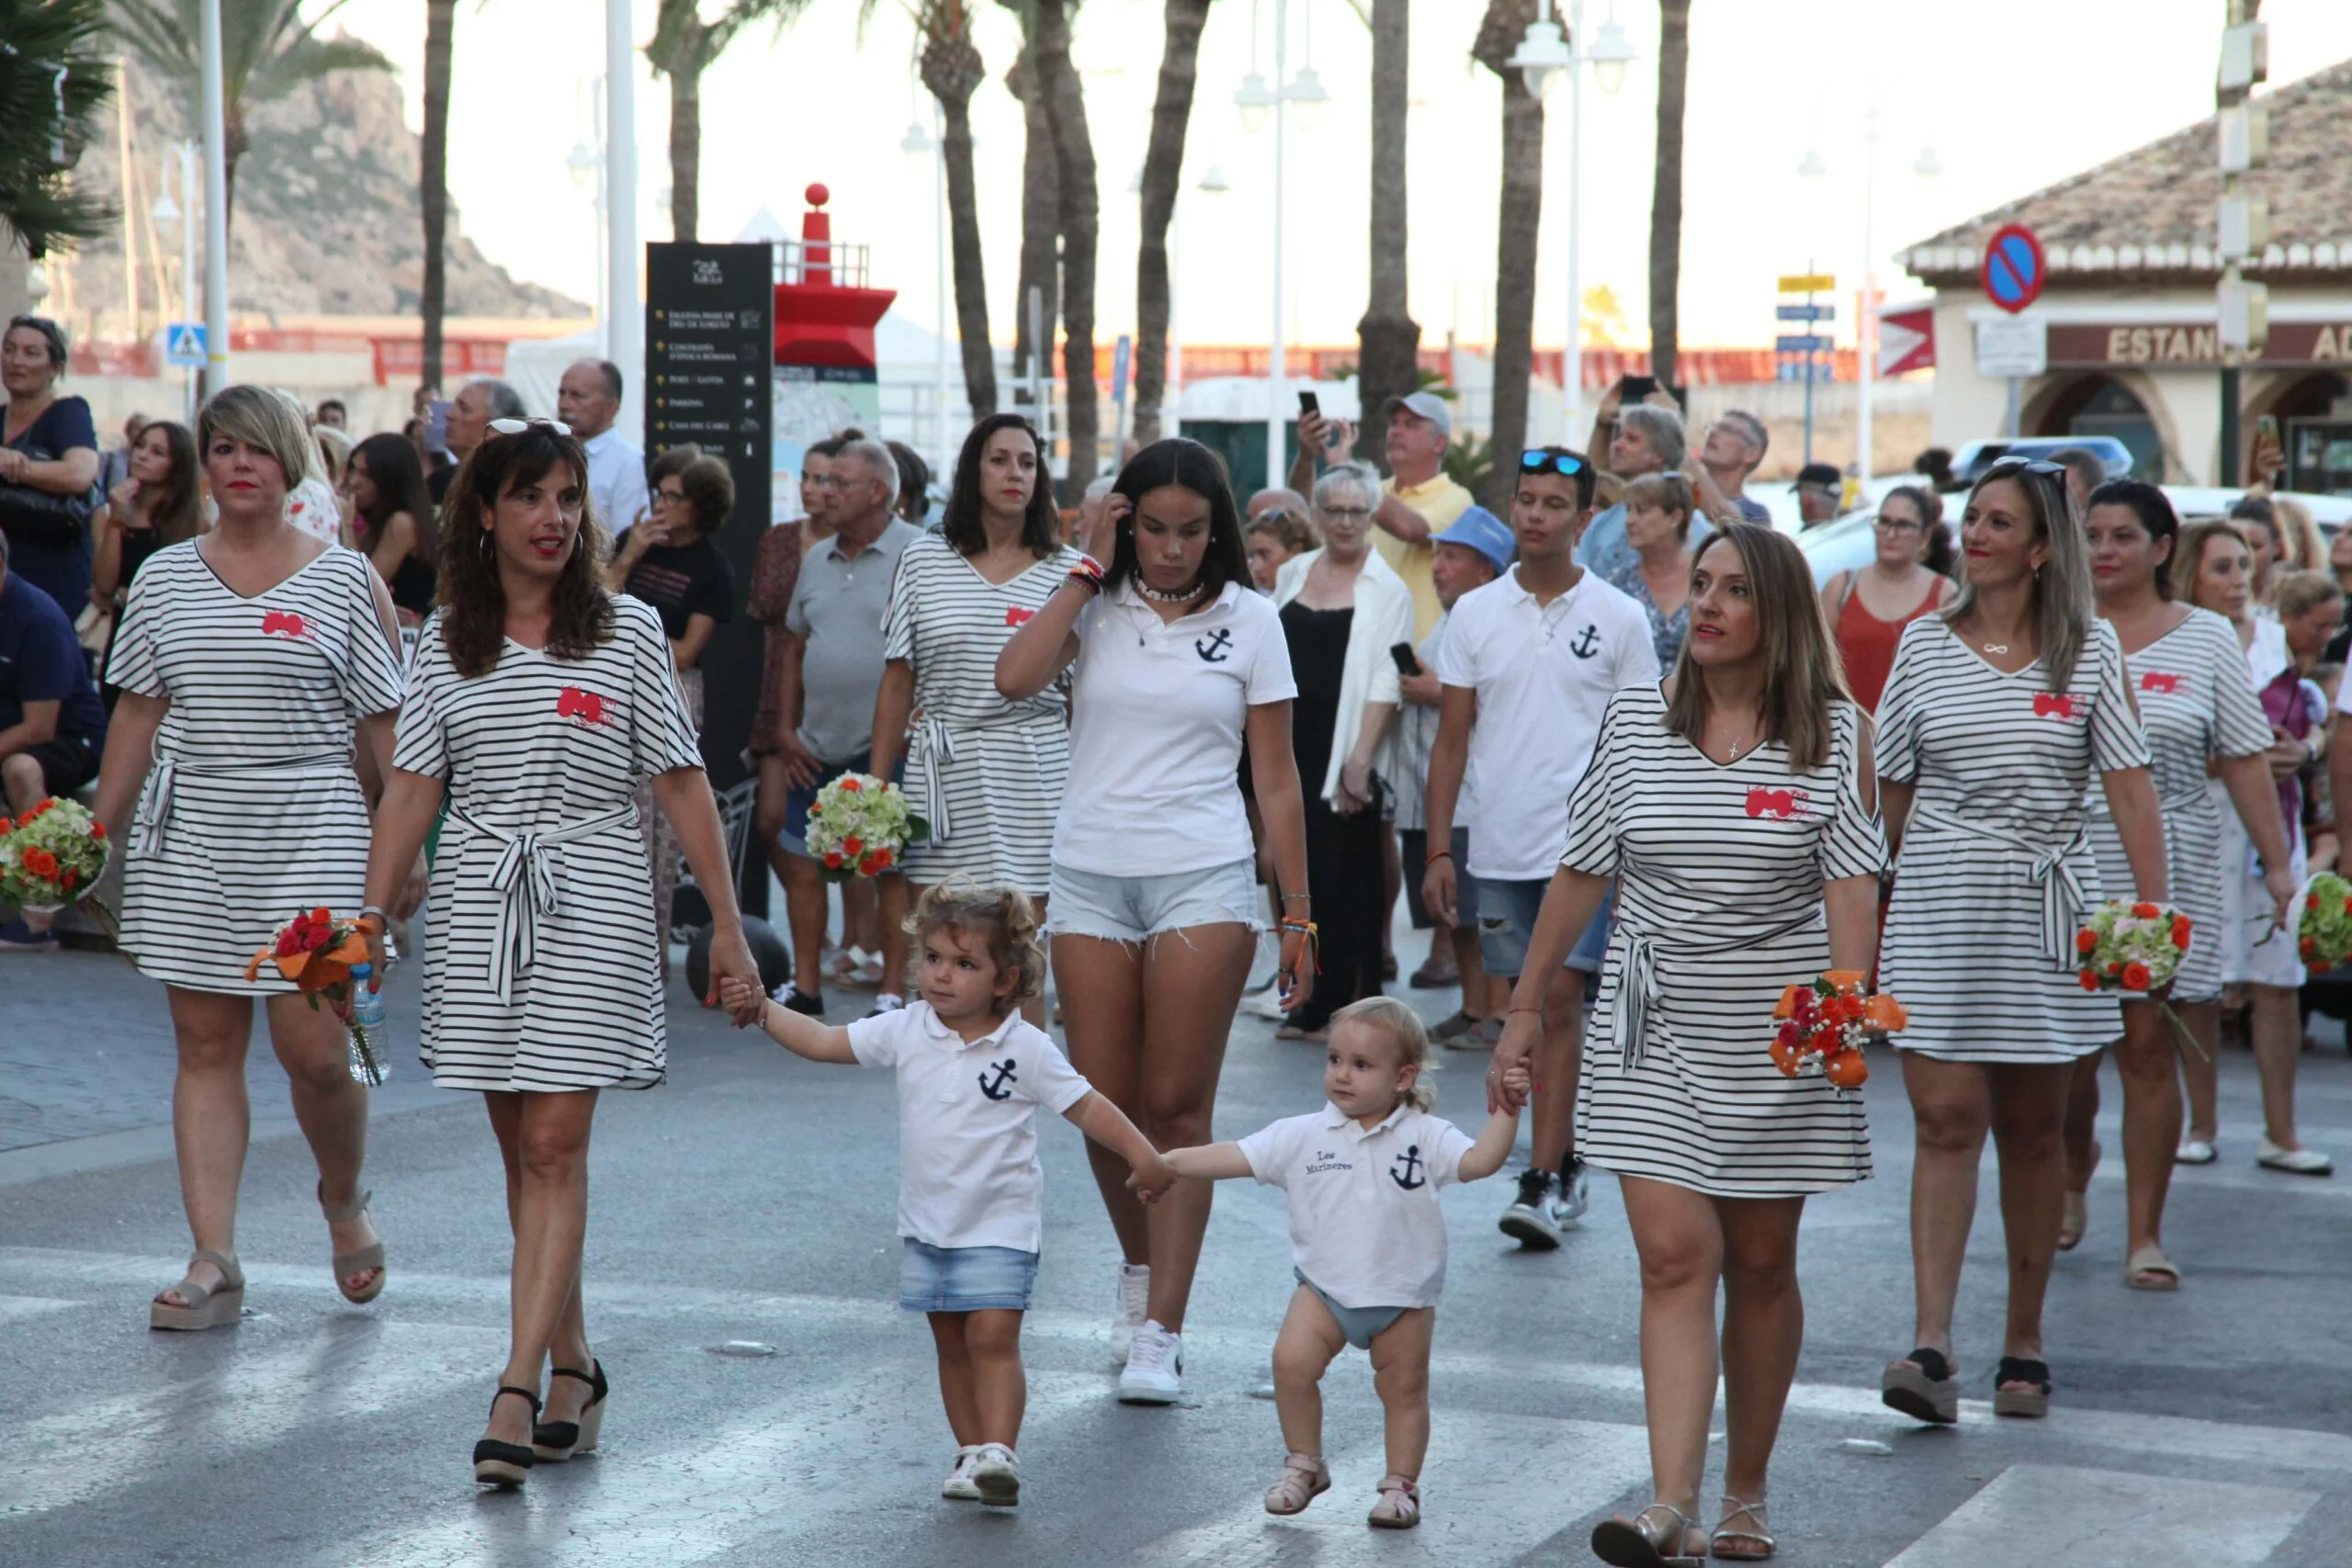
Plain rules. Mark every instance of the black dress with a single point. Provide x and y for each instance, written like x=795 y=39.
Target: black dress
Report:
x=1342 y=853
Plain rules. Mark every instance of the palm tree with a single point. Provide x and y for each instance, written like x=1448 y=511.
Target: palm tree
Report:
x=1078 y=214
x=684 y=47
x=1041 y=231
x=1388 y=339
x=268 y=50
x=1163 y=169
x=45 y=119
x=1665 y=190
x=1522 y=208
x=432 y=178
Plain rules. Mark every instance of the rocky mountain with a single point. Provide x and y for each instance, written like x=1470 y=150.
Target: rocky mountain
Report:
x=326 y=214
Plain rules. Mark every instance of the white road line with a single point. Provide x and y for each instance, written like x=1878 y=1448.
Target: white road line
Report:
x=1495 y=1487
x=52 y=1461
x=13 y=1307
x=2105 y=1518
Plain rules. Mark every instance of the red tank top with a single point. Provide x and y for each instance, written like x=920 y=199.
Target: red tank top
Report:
x=1867 y=644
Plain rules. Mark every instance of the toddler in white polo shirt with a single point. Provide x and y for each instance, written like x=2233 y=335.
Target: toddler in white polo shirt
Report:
x=971 y=1075
x=1367 y=1238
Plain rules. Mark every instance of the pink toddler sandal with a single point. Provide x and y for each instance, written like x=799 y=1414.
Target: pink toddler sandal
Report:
x=1304 y=1479
x=1399 y=1507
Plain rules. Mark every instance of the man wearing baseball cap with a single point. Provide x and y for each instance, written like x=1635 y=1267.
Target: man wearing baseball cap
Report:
x=1820 y=493
x=1420 y=501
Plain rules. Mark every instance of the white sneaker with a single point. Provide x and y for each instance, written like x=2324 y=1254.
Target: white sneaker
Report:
x=1575 y=1194
x=1537 y=1216
x=1155 y=1373
x=887 y=1003
x=1265 y=1004
x=1135 y=1304
x=959 y=1486
x=997 y=1474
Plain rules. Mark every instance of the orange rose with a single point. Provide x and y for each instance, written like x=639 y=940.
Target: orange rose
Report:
x=322 y=916
x=834 y=861
x=851 y=785
x=853 y=846
x=2135 y=976
x=1847 y=1070
x=881 y=859
x=2180 y=928
x=2086 y=940
x=2090 y=981
x=2308 y=947
x=2145 y=911
x=98 y=831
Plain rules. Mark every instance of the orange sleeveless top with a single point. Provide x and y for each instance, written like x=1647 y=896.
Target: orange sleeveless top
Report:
x=1867 y=644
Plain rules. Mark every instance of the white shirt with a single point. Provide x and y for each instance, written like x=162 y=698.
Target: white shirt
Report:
x=967 y=1147
x=615 y=482
x=1365 y=1224
x=312 y=507
x=1544 y=675
x=1157 y=715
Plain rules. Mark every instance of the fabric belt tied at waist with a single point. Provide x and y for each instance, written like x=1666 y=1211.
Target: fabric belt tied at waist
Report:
x=1637 y=980
x=155 y=813
x=524 y=879
x=2063 y=902
x=934 y=747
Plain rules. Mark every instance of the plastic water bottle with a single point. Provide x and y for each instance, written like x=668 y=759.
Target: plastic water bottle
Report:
x=367 y=1031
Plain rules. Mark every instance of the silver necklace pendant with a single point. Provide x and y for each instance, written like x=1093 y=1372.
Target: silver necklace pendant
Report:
x=1994 y=647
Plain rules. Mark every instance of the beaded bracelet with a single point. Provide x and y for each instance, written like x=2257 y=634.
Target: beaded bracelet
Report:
x=1088 y=574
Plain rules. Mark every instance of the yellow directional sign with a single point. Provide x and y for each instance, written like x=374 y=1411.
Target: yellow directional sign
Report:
x=1809 y=283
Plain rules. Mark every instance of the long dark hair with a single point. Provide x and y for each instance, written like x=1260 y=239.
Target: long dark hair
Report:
x=960 y=524
x=178 y=511
x=1803 y=680
x=1189 y=466
x=1937 y=554
x=398 y=474
x=2154 y=509
x=473 y=602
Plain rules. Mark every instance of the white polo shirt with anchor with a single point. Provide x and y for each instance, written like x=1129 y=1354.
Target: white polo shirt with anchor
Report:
x=1364 y=1221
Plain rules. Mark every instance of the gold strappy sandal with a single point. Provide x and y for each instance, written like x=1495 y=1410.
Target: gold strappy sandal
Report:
x=1743 y=1545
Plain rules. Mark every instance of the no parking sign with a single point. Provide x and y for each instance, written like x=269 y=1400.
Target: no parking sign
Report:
x=2014 y=268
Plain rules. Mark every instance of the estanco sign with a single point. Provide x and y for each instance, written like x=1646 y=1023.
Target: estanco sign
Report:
x=2191 y=344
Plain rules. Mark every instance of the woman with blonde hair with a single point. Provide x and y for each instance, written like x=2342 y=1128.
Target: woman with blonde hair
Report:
x=252 y=660
x=1659 y=508
x=1735 y=806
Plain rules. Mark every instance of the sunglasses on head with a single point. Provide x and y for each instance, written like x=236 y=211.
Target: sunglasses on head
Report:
x=1536 y=460
x=516 y=427
x=2027 y=465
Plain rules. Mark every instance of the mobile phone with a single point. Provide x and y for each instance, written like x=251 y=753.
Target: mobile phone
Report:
x=436 y=425
x=1407 y=663
x=1633 y=388
x=1307 y=403
x=2267 y=428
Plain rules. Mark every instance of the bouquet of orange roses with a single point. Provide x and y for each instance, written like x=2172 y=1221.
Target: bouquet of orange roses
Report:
x=319 y=953
x=51 y=855
x=1823 y=1027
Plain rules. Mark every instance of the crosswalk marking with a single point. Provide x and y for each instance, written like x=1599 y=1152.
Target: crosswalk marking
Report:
x=14 y=1307
x=1496 y=1486
x=2106 y=1518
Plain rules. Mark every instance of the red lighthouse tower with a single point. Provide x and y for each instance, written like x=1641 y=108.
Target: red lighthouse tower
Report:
x=825 y=315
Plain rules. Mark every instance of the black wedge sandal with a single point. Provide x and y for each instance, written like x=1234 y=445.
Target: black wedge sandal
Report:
x=505 y=1464
x=556 y=1441
x=1923 y=1386
x=2033 y=1401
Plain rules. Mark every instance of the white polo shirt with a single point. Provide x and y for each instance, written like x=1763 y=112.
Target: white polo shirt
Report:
x=968 y=1145
x=1364 y=1224
x=1544 y=674
x=1157 y=715
x=617 y=482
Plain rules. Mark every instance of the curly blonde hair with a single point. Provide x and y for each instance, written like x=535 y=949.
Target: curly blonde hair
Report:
x=1004 y=916
x=1402 y=1025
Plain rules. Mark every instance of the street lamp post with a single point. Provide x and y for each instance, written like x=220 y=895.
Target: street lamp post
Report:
x=587 y=165
x=627 y=330
x=1254 y=98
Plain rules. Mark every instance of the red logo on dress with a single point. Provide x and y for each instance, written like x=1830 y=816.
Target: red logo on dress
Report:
x=283 y=623
x=1785 y=804
x=2045 y=706
x=588 y=708
x=1015 y=615
x=2154 y=680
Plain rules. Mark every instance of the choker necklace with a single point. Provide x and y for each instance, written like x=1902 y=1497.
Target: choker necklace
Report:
x=1182 y=596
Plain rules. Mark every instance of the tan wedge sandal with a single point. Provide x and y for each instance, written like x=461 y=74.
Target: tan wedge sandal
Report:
x=207 y=1306
x=347 y=1264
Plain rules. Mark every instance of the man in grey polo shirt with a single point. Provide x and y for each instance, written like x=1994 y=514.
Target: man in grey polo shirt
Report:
x=832 y=668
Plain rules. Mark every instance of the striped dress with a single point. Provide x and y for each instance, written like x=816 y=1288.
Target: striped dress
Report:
x=541 y=973
x=1996 y=870
x=987 y=774
x=1719 y=870
x=2197 y=701
x=252 y=811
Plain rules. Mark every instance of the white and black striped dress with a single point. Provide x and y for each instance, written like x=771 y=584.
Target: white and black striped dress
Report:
x=1719 y=870
x=252 y=811
x=2196 y=701
x=1996 y=872
x=987 y=774
x=541 y=972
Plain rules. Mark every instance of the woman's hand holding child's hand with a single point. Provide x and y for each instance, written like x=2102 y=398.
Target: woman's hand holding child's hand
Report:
x=742 y=998
x=1519 y=1085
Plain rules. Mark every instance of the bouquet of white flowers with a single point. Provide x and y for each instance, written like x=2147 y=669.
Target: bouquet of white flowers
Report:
x=860 y=826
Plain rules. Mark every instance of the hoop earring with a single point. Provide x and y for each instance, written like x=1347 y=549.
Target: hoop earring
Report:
x=489 y=539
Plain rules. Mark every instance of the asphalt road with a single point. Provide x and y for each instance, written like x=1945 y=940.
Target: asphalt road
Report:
x=751 y=1199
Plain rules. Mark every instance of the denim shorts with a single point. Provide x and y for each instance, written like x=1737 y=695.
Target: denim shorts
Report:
x=1130 y=908
x=1507 y=924
x=800 y=798
x=1358 y=1324
x=1415 y=847
x=966 y=1279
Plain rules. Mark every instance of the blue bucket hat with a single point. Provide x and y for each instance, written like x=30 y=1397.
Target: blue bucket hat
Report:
x=1483 y=532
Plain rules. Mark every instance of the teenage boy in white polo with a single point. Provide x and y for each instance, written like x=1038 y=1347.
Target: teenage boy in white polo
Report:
x=1528 y=664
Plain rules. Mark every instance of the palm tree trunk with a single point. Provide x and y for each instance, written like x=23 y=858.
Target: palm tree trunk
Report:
x=1074 y=172
x=1522 y=211
x=432 y=178
x=1388 y=339
x=1163 y=175
x=685 y=131
x=964 y=246
x=1666 y=191
x=1040 y=222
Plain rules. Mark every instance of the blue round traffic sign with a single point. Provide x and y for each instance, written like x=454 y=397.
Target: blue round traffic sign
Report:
x=2014 y=269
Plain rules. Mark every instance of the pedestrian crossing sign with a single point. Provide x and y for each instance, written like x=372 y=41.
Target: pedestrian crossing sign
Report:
x=184 y=344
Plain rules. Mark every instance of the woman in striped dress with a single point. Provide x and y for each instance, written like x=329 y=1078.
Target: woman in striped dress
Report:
x=1996 y=715
x=538 y=702
x=250 y=661
x=985 y=773
x=1736 y=808
x=2195 y=697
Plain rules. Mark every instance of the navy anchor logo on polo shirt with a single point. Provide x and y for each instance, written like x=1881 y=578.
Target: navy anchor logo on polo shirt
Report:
x=1410 y=1177
x=994 y=1089
x=1588 y=642
x=1211 y=648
